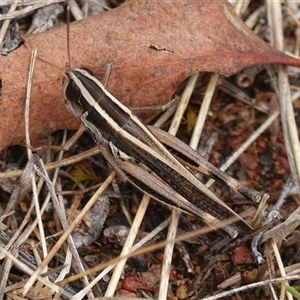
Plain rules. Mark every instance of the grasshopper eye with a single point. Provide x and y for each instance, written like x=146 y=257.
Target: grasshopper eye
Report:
x=71 y=90
x=72 y=96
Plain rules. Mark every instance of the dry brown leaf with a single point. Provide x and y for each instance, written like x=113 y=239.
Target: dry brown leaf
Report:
x=153 y=47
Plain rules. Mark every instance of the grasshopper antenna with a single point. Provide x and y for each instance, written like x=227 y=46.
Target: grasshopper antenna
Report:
x=68 y=36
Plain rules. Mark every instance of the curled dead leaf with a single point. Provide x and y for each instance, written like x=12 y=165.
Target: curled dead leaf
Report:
x=153 y=47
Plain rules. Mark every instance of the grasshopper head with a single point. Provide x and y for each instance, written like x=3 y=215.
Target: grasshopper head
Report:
x=75 y=87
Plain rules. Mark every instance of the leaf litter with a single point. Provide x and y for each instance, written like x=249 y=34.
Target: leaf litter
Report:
x=265 y=166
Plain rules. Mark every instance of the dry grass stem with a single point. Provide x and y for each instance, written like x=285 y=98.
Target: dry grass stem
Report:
x=236 y=114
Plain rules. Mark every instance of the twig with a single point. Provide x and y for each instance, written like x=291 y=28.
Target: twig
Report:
x=62 y=217
x=127 y=246
x=28 y=9
x=251 y=286
x=168 y=254
x=6 y=22
x=273 y=214
x=138 y=245
x=64 y=162
x=204 y=110
x=65 y=235
x=24 y=268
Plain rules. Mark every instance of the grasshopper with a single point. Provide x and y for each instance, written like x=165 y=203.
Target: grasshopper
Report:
x=154 y=161
x=147 y=157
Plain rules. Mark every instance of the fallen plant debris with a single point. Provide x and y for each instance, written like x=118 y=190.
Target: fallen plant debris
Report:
x=151 y=59
x=153 y=49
